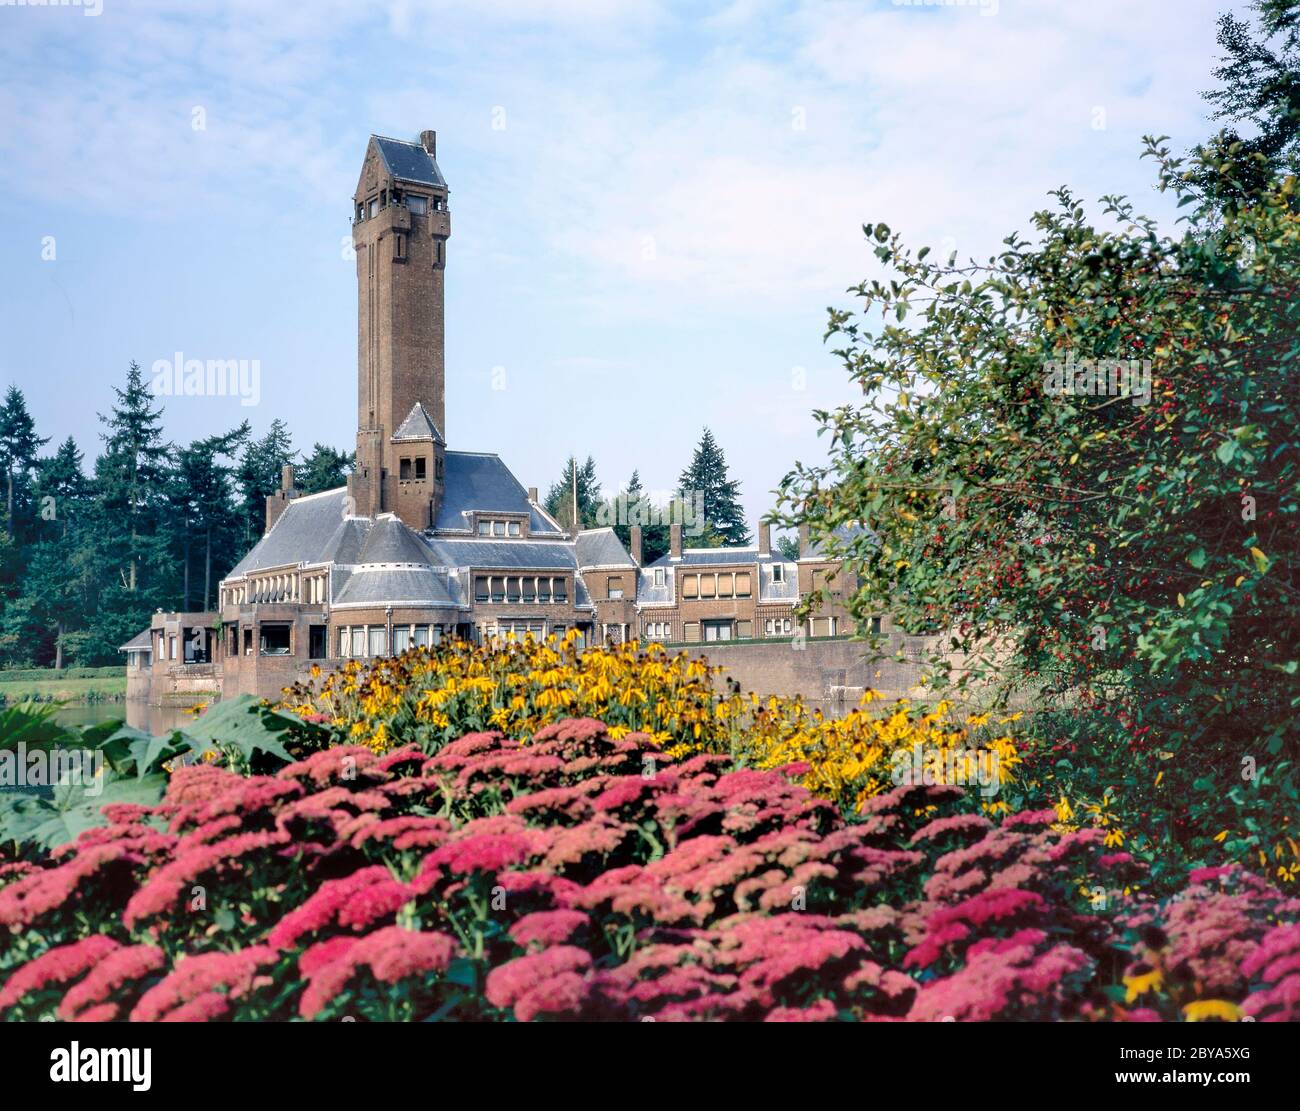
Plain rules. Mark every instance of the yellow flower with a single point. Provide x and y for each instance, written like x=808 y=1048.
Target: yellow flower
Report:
x=1140 y=985
x=1204 y=1009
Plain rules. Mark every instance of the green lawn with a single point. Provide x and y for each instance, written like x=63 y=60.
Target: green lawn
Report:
x=85 y=684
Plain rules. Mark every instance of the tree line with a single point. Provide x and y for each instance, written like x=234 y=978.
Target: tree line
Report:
x=86 y=558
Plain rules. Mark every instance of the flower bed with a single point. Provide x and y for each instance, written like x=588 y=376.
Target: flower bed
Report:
x=584 y=875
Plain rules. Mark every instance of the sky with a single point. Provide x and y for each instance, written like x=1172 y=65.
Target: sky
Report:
x=653 y=204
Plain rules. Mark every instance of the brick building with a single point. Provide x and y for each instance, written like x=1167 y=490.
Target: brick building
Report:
x=425 y=542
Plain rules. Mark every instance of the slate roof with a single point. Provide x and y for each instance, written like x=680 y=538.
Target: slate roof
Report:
x=846 y=534
x=395 y=586
x=390 y=541
x=476 y=481
x=140 y=640
x=601 y=548
x=542 y=555
x=418 y=425
x=409 y=161
x=311 y=529
x=703 y=557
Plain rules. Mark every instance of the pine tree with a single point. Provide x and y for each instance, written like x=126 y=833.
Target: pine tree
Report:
x=55 y=588
x=259 y=476
x=131 y=480
x=706 y=481
x=207 y=520
x=18 y=447
x=324 y=469
x=559 y=499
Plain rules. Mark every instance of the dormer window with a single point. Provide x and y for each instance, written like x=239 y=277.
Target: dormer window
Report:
x=659 y=576
x=778 y=572
x=418 y=205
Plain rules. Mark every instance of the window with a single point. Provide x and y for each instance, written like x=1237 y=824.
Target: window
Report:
x=724 y=586
x=498 y=528
x=513 y=589
x=876 y=625
x=171 y=648
x=345 y=642
x=481 y=586
x=317 y=645
x=717 y=630
x=404 y=470
x=401 y=638
x=378 y=640
x=744 y=630
x=615 y=587
x=361 y=213
x=420 y=469
x=691 y=631
x=373 y=209
x=418 y=205
x=485 y=528
x=690 y=586
x=498 y=588
x=707 y=588
x=514 y=528
x=248 y=640
x=778 y=572
x=659 y=576
x=274 y=639
x=399 y=247
x=543 y=590
x=422 y=636
x=742 y=584
x=560 y=588
x=529 y=589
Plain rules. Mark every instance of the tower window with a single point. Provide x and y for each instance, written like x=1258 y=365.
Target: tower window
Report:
x=405 y=473
x=399 y=247
x=420 y=473
x=418 y=205
x=373 y=207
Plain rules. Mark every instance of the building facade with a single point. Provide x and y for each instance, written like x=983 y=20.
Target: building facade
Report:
x=426 y=543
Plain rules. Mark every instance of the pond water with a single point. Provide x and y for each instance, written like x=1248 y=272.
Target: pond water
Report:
x=155 y=720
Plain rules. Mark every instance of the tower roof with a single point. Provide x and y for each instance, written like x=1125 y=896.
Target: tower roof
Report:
x=418 y=425
x=409 y=161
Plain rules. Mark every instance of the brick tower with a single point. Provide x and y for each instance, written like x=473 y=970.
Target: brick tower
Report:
x=400 y=226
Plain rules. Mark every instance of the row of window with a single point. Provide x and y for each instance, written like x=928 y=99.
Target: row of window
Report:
x=418 y=205
x=498 y=528
x=723 y=585
x=364 y=641
x=520 y=588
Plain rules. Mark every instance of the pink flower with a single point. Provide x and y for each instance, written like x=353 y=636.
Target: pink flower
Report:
x=392 y=954
x=821 y=1011
x=548 y=927
x=56 y=966
x=120 y=967
x=547 y=982
x=353 y=902
x=194 y=976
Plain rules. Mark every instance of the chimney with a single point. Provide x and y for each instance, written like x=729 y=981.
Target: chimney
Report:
x=675 y=540
x=429 y=141
x=764 y=538
x=276 y=503
x=634 y=542
x=532 y=494
x=803 y=541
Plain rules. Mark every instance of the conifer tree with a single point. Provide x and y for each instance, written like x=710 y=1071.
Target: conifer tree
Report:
x=706 y=482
